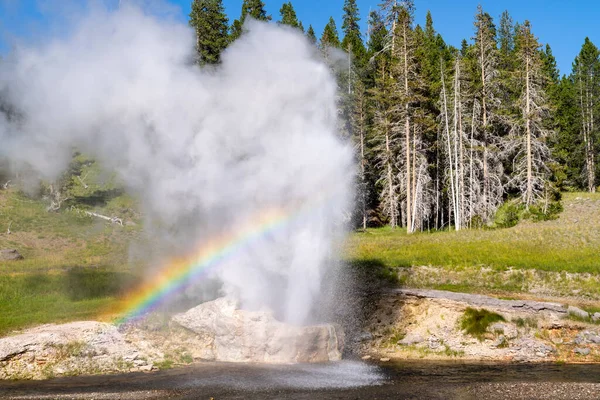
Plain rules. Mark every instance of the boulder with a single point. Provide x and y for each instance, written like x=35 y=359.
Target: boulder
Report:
x=508 y=330
x=578 y=312
x=411 y=339
x=256 y=336
x=93 y=338
x=10 y=255
x=582 y=351
x=596 y=317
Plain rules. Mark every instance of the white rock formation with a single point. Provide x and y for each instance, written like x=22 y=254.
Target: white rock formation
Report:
x=245 y=336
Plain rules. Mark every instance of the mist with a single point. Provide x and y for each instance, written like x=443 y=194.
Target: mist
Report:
x=205 y=151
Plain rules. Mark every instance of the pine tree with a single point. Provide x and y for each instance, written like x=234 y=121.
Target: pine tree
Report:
x=586 y=74
x=208 y=19
x=405 y=73
x=528 y=138
x=386 y=144
x=505 y=34
x=384 y=138
x=330 y=37
x=488 y=98
x=310 y=35
x=255 y=9
x=567 y=146
x=377 y=34
x=352 y=42
x=550 y=68
x=288 y=16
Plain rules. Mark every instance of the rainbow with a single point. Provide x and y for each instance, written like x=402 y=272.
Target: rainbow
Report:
x=180 y=273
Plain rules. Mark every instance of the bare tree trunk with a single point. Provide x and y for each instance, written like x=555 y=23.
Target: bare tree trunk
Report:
x=592 y=168
x=457 y=133
x=390 y=177
x=529 y=194
x=448 y=145
x=414 y=177
x=471 y=180
x=461 y=159
x=484 y=125
x=586 y=130
x=362 y=173
x=407 y=133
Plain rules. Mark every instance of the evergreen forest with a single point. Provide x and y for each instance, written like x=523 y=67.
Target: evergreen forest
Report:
x=446 y=136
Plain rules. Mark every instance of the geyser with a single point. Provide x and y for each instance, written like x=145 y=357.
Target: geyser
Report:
x=207 y=151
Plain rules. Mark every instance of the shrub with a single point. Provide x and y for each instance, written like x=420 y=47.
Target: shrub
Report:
x=475 y=322
x=509 y=214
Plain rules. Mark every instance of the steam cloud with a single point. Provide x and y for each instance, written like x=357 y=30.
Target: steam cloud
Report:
x=204 y=150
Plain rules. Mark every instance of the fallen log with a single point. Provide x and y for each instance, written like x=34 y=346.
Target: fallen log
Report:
x=112 y=220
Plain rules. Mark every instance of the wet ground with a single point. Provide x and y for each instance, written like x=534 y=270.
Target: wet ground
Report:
x=345 y=380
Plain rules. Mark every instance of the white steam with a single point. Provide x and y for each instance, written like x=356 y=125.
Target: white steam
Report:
x=204 y=150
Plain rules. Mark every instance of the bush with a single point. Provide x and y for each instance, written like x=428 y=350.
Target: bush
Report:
x=509 y=214
x=551 y=212
x=475 y=322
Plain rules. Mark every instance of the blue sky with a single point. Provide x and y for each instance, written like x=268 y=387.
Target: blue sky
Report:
x=562 y=24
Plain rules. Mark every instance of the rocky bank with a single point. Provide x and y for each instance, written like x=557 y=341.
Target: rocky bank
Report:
x=413 y=323
x=213 y=331
x=401 y=324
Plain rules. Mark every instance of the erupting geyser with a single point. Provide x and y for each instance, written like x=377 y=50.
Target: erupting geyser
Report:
x=239 y=169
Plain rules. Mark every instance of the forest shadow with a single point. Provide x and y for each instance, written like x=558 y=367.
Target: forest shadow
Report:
x=92 y=283
x=99 y=198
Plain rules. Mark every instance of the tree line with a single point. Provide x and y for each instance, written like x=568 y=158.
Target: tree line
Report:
x=444 y=136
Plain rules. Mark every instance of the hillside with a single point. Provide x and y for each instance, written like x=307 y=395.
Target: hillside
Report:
x=74 y=265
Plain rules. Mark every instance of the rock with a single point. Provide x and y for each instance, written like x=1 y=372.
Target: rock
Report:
x=365 y=358
x=578 y=312
x=499 y=341
x=365 y=337
x=483 y=301
x=586 y=337
x=434 y=342
x=247 y=336
x=10 y=255
x=596 y=317
x=594 y=338
x=146 y=368
x=544 y=349
x=582 y=351
x=508 y=330
x=64 y=346
x=411 y=339
x=385 y=359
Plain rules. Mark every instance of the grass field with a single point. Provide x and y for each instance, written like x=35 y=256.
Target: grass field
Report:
x=76 y=267
x=570 y=243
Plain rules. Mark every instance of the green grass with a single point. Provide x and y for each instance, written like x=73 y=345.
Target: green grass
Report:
x=75 y=267
x=569 y=243
x=476 y=322
x=526 y=322
x=76 y=294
